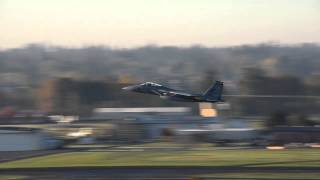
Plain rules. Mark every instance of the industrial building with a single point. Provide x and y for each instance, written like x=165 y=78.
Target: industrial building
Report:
x=26 y=139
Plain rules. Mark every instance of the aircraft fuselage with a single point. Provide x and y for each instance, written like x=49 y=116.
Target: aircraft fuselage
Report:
x=175 y=95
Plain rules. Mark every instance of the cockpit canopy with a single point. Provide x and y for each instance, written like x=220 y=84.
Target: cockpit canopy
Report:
x=150 y=84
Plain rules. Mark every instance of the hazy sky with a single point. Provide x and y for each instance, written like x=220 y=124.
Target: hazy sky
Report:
x=128 y=23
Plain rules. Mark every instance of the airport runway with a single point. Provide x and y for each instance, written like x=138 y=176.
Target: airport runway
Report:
x=142 y=172
x=129 y=148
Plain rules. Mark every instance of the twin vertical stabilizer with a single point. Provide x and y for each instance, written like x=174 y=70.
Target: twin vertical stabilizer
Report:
x=214 y=92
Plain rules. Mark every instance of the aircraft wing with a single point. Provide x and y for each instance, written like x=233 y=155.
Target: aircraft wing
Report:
x=180 y=93
x=170 y=93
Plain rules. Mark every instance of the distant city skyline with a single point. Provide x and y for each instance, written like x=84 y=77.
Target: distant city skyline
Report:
x=131 y=23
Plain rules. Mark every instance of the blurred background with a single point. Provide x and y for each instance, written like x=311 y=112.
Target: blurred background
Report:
x=63 y=64
x=57 y=66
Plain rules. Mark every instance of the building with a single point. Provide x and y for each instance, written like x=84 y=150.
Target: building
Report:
x=122 y=113
x=26 y=139
x=146 y=128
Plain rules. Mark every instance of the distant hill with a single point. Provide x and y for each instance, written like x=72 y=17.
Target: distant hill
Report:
x=34 y=63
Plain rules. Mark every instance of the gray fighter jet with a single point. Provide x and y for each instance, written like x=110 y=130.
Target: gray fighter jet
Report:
x=212 y=95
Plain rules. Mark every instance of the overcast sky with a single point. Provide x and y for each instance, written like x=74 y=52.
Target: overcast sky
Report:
x=130 y=23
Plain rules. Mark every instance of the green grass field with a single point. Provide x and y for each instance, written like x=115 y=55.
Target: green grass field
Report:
x=227 y=158
x=12 y=177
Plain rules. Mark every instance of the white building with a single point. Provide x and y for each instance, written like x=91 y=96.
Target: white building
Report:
x=26 y=139
x=121 y=113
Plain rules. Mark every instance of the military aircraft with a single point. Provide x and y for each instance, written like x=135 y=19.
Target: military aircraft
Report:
x=212 y=95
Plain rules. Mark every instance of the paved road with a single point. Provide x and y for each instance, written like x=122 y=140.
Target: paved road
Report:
x=141 y=172
x=18 y=155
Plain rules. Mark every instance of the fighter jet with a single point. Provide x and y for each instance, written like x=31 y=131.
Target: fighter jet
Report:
x=212 y=95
